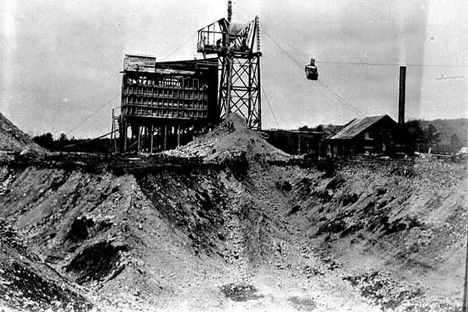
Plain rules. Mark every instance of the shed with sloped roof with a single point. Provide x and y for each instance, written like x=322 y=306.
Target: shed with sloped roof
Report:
x=376 y=135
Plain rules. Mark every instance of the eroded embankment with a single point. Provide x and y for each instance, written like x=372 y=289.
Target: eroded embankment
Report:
x=398 y=226
x=282 y=237
x=151 y=234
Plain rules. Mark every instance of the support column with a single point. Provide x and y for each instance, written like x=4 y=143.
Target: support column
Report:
x=299 y=144
x=230 y=61
x=125 y=134
x=138 y=139
x=115 y=137
x=112 y=138
x=259 y=90
x=151 y=138
x=165 y=138
x=178 y=135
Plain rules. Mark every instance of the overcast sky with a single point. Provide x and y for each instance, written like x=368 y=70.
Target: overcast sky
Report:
x=60 y=59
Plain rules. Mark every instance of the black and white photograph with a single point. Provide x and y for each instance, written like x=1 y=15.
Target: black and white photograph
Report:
x=233 y=155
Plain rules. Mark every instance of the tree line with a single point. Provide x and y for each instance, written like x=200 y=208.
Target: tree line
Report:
x=63 y=143
x=430 y=135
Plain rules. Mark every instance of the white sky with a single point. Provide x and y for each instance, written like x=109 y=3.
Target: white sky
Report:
x=60 y=59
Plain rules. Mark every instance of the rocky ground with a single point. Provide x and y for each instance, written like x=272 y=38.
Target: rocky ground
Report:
x=13 y=139
x=229 y=223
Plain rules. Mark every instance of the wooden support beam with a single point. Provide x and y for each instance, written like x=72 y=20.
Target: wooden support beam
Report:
x=178 y=135
x=165 y=137
x=112 y=136
x=125 y=136
x=151 y=138
x=299 y=143
x=138 y=138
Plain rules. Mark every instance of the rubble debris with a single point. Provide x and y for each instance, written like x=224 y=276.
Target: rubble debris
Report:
x=240 y=292
x=28 y=291
x=302 y=304
x=382 y=290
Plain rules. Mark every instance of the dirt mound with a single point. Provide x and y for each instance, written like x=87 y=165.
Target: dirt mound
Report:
x=230 y=139
x=13 y=139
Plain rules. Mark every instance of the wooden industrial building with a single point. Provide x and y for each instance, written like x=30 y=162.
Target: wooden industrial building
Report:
x=305 y=140
x=376 y=135
x=163 y=103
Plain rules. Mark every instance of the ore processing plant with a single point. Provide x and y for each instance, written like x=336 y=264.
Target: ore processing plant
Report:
x=164 y=103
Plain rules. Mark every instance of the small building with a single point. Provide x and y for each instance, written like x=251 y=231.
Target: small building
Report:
x=296 y=142
x=305 y=140
x=376 y=135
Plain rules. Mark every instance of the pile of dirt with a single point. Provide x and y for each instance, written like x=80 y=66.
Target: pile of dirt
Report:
x=14 y=140
x=230 y=139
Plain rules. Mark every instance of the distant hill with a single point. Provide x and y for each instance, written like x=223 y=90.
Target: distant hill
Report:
x=449 y=127
x=13 y=139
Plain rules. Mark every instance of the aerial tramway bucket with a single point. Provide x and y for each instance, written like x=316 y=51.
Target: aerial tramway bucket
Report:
x=311 y=70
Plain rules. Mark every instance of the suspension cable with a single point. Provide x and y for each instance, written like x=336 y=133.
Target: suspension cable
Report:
x=271 y=109
x=338 y=97
x=94 y=113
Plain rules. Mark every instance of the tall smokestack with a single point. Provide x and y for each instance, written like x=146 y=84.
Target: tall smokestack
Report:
x=229 y=11
x=401 y=100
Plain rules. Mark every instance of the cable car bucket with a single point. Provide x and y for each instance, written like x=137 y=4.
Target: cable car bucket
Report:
x=311 y=70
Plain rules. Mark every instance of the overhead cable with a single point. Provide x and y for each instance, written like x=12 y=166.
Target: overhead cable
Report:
x=338 y=97
x=94 y=113
x=271 y=108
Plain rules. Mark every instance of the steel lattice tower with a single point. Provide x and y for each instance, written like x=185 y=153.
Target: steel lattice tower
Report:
x=238 y=50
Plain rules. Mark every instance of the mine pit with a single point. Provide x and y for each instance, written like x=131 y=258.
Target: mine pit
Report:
x=241 y=227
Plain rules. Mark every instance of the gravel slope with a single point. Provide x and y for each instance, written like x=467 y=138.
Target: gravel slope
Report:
x=237 y=233
x=13 y=139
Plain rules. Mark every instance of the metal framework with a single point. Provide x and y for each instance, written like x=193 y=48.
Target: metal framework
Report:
x=238 y=49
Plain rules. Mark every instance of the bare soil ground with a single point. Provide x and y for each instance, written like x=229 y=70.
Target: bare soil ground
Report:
x=13 y=139
x=229 y=223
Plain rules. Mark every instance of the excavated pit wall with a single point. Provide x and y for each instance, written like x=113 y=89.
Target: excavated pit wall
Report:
x=108 y=226
x=154 y=230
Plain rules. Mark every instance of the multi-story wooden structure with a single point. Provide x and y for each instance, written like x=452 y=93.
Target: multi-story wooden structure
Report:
x=164 y=102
